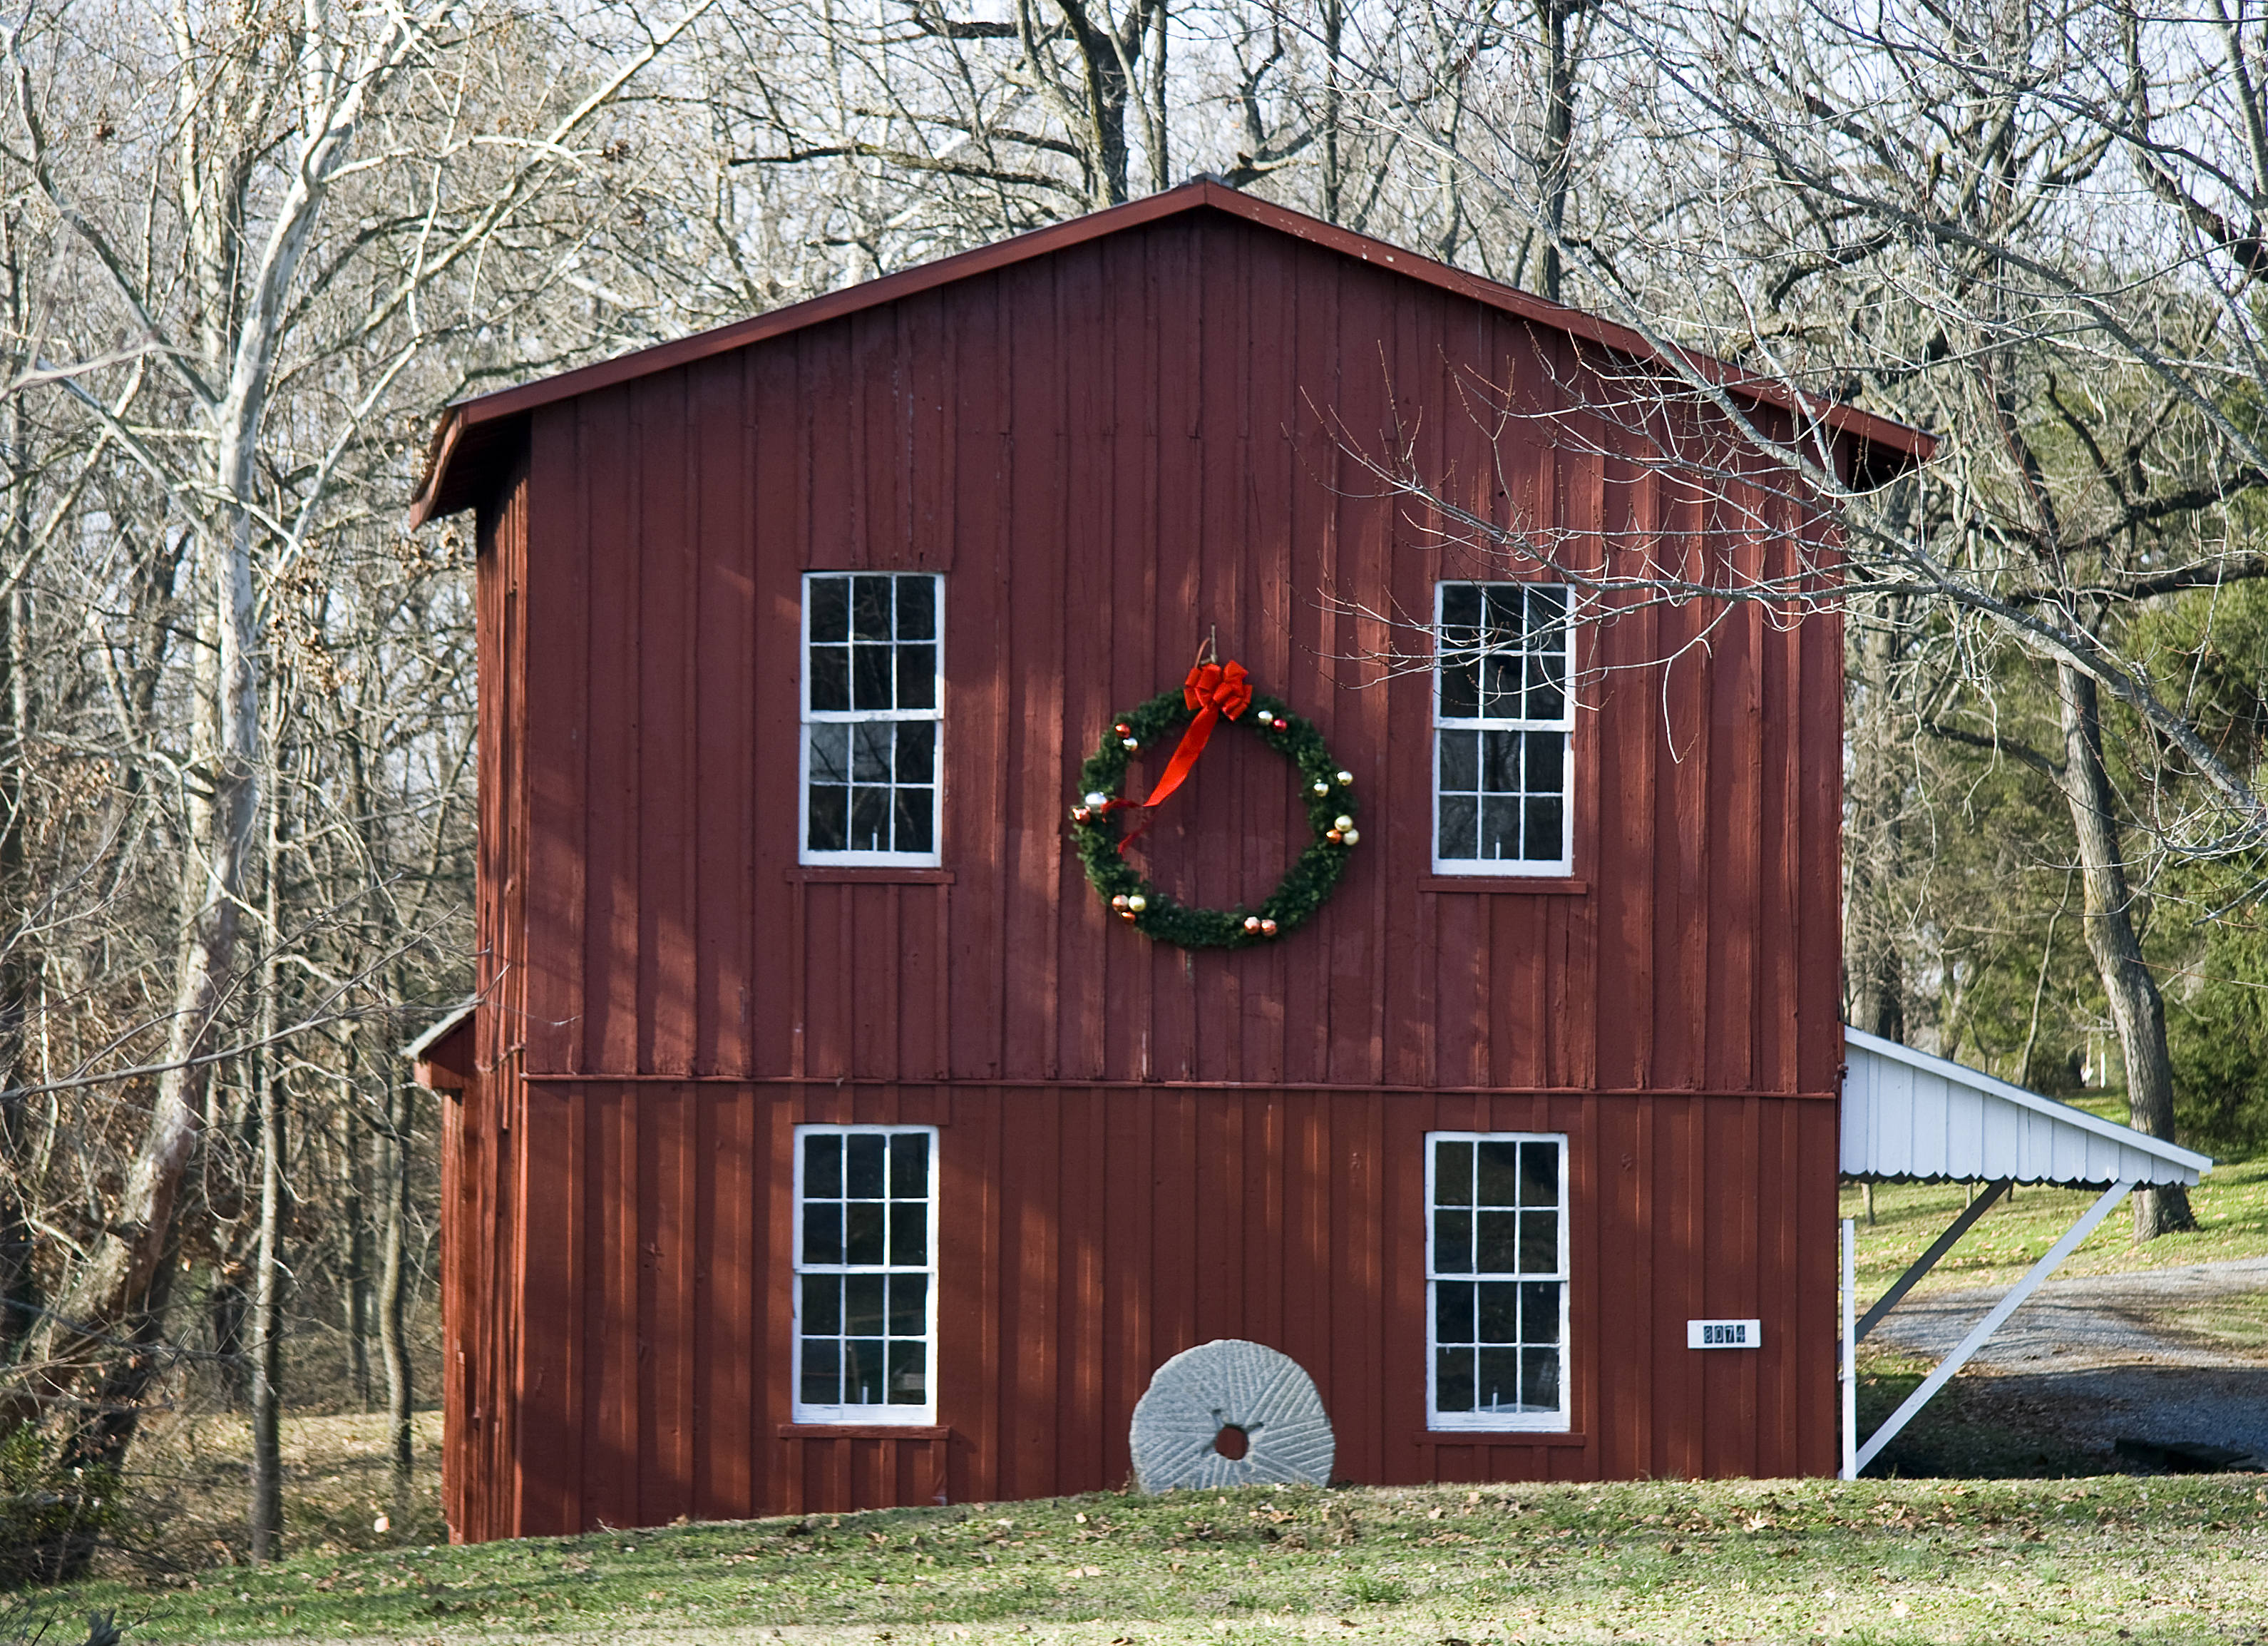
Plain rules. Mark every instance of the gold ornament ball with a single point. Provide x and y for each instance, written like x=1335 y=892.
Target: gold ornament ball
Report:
x=1137 y=903
x=1342 y=823
x=1348 y=837
x=1131 y=742
x=1098 y=800
x=1346 y=779
x=1321 y=787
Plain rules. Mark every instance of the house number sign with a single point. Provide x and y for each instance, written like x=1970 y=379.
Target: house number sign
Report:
x=1724 y=1334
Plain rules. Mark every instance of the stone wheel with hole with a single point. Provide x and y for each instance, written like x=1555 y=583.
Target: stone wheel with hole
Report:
x=1234 y=1386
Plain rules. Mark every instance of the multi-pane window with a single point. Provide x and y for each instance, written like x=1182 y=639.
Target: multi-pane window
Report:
x=1502 y=720
x=1496 y=1271
x=866 y=1273
x=872 y=709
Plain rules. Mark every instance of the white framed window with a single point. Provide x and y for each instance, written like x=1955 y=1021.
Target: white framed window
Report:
x=866 y=1273
x=873 y=716
x=1503 y=730
x=1496 y=1279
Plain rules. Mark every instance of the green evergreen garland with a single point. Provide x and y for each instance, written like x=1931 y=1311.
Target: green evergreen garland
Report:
x=1096 y=831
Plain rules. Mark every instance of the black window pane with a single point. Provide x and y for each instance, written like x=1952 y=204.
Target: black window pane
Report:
x=1453 y=1380
x=1461 y=761
x=831 y=754
x=1452 y=1242
x=1546 y=825
x=830 y=677
x=916 y=677
x=913 y=821
x=822 y=1165
x=1500 y=678
x=1501 y=763
x=1453 y=1311
x=1498 y=1319
x=1547 y=760
x=822 y=1232
x=1539 y=1379
x=821 y=1383
x=869 y=677
x=1452 y=1174
x=870 y=820
x=1497 y=1380
x=822 y=1305
x=917 y=609
x=1460 y=826
x=1496 y=1234
x=1539 y=1174
x=1547 y=612
x=1499 y=826
x=830 y=608
x=910 y=1165
x=862 y=1372
x=870 y=753
x=866 y=1153
x=908 y=1373
x=829 y=825
x=917 y=753
x=1507 y=613
x=1461 y=605
x=862 y=1305
x=862 y=1233
x=1500 y=1174
x=1539 y=1313
x=1539 y=1243
x=1460 y=687
x=1544 y=699
x=909 y=1305
x=870 y=608
x=910 y=1231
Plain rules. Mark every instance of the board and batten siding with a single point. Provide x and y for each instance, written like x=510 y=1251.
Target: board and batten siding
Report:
x=1089 y=1234
x=1111 y=452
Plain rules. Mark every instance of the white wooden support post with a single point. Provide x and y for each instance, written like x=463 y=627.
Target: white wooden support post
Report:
x=1850 y=1349
x=1990 y=1323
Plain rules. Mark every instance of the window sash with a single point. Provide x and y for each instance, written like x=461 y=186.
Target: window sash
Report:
x=1495 y=745
x=873 y=736
x=1525 y=1277
x=856 y=1280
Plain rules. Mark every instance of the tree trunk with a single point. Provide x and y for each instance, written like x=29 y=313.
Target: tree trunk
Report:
x=1875 y=841
x=355 y=1294
x=266 y=1508
x=2136 y=1009
x=1559 y=134
x=394 y=1343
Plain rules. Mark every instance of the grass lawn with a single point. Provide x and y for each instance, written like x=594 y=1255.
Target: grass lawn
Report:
x=2112 y=1558
x=2231 y=1206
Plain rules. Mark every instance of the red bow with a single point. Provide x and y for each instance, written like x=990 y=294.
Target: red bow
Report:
x=1213 y=689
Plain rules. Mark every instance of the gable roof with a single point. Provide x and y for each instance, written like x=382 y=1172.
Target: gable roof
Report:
x=1907 y=1115
x=477 y=436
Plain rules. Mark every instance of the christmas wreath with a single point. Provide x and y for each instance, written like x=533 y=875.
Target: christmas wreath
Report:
x=1212 y=693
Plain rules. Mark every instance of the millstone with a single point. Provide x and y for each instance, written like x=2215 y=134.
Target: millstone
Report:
x=1231 y=1384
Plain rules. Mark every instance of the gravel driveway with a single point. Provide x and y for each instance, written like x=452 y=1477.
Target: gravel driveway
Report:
x=2097 y=1357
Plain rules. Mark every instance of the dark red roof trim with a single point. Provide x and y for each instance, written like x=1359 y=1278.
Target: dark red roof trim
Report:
x=469 y=443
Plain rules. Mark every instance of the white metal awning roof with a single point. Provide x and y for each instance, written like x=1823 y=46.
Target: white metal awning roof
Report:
x=1909 y=1115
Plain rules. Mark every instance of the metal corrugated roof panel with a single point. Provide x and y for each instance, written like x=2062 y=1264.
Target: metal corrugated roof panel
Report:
x=1907 y=1114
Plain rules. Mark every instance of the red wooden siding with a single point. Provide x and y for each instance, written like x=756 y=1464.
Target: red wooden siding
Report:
x=1093 y=1232
x=1111 y=452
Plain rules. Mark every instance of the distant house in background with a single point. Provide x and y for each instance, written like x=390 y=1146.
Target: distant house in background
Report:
x=820 y=1140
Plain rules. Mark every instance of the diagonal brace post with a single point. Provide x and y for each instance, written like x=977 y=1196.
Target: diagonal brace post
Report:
x=1927 y=1261
x=1985 y=1328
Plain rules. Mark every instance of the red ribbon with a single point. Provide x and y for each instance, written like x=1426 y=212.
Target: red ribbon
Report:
x=1214 y=690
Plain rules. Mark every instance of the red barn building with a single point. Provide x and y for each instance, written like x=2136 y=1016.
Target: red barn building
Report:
x=820 y=1140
